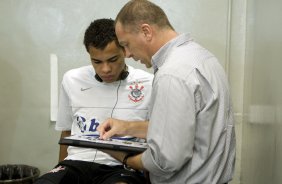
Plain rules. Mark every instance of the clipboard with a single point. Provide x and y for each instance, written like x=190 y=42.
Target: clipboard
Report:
x=126 y=144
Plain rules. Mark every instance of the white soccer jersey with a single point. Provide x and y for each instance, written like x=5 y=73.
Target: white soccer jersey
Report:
x=85 y=103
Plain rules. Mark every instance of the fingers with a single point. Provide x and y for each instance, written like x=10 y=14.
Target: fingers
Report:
x=103 y=128
x=111 y=127
x=107 y=135
x=107 y=129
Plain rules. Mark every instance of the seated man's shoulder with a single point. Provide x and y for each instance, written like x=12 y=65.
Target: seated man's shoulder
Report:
x=83 y=69
x=80 y=72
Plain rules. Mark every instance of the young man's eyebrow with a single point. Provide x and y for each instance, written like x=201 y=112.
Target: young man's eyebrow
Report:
x=109 y=59
x=114 y=57
x=93 y=59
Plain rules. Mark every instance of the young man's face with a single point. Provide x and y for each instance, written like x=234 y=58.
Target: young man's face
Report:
x=134 y=45
x=109 y=62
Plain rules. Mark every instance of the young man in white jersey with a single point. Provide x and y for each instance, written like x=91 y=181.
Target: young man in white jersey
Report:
x=90 y=94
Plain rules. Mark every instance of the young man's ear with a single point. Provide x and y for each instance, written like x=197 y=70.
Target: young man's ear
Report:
x=147 y=31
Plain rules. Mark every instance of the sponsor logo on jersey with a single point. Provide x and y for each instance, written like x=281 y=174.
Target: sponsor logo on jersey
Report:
x=136 y=94
x=80 y=121
x=86 y=127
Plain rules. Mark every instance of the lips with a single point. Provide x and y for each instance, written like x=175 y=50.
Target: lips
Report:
x=107 y=78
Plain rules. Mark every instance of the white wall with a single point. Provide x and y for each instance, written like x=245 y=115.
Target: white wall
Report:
x=262 y=146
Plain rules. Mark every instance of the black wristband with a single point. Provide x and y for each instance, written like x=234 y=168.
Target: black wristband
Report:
x=124 y=162
x=125 y=159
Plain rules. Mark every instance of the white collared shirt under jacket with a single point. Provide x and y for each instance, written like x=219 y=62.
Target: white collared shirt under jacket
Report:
x=191 y=132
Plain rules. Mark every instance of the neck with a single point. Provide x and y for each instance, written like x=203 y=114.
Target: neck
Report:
x=163 y=37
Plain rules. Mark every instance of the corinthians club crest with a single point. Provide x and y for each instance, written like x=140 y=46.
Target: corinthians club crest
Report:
x=136 y=93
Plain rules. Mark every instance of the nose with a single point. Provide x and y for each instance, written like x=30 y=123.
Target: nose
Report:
x=128 y=53
x=106 y=68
